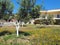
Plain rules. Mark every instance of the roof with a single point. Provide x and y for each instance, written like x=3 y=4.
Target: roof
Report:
x=55 y=11
x=50 y=10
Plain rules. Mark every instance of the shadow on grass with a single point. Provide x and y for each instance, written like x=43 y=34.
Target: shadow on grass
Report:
x=9 y=33
x=4 y=33
x=24 y=33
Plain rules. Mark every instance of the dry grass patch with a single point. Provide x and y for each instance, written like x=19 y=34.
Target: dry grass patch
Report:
x=38 y=36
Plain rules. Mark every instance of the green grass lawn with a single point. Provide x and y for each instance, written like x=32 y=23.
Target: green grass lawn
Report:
x=31 y=35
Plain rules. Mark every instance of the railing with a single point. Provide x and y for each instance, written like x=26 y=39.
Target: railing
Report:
x=56 y=18
x=45 y=18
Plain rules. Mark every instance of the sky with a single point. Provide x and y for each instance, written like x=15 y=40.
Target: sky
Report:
x=47 y=5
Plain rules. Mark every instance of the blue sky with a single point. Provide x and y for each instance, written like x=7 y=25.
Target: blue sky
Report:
x=48 y=4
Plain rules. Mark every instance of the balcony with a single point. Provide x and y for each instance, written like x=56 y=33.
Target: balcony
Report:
x=56 y=18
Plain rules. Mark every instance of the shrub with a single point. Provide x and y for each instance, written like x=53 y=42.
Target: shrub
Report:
x=57 y=22
x=37 y=22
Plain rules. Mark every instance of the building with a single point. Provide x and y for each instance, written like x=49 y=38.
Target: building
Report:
x=55 y=13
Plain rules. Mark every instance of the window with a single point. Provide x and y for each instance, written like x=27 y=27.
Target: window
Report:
x=58 y=16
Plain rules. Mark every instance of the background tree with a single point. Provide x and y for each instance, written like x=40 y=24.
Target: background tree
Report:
x=35 y=12
x=10 y=8
x=28 y=9
x=2 y=8
x=6 y=7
